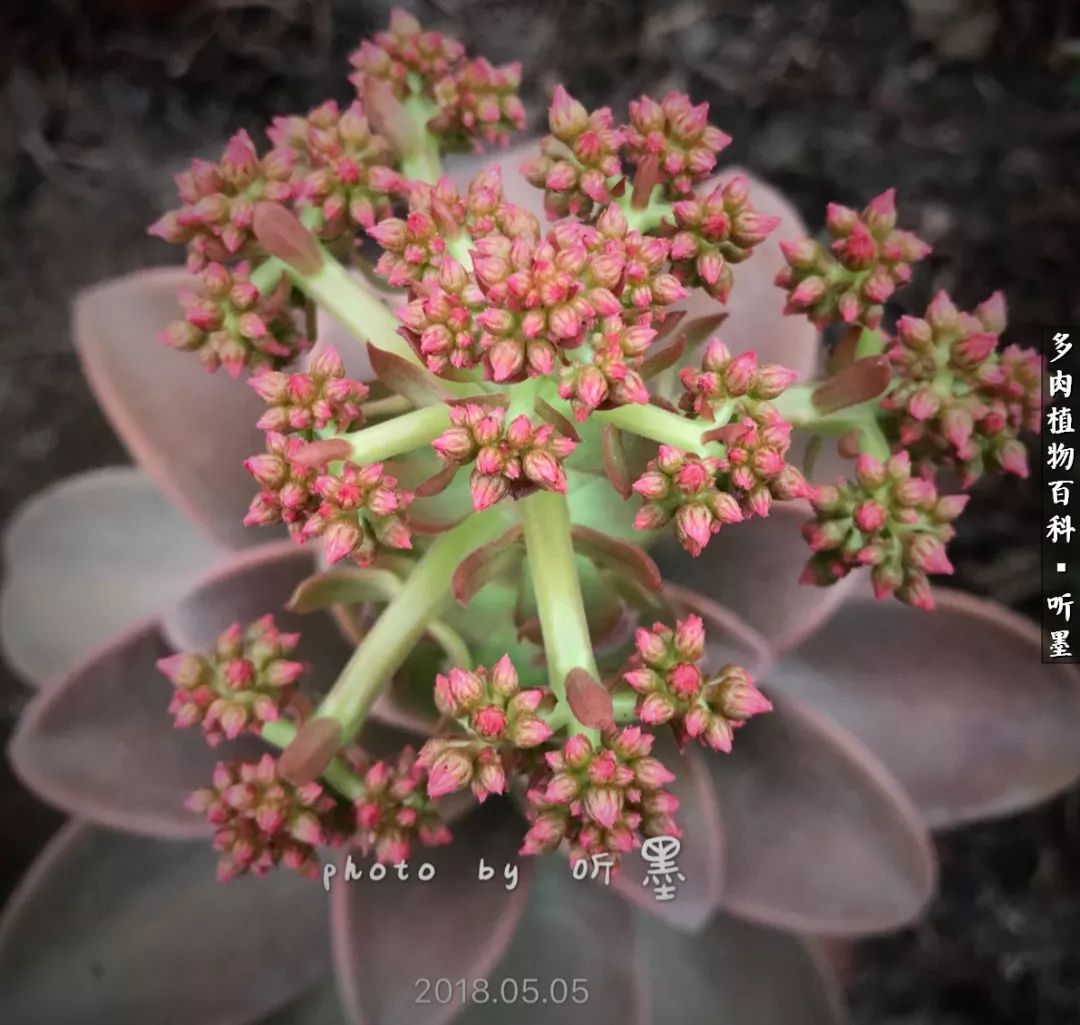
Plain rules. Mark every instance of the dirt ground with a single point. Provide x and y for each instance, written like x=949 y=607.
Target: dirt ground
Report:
x=976 y=123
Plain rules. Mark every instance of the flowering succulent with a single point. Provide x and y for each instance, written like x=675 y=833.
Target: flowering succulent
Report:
x=501 y=637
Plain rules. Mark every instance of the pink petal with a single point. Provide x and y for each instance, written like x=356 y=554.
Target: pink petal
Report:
x=249 y=585
x=753 y=569
x=387 y=934
x=736 y=972
x=820 y=838
x=189 y=429
x=85 y=561
x=955 y=702
x=128 y=930
x=701 y=858
x=574 y=931
x=101 y=744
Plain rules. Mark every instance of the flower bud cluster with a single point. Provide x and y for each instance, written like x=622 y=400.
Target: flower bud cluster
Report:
x=580 y=301
x=754 y=466
x=492 y=704
x=231 y=324
x=416 y=246
x=679 y=485
x=510 y=459
x=850 y=281
x=582 y=162
x=360 y=508
x=473 y=100
x=218 y=202
x=577 y=159
x=672 y=689
x=340 y=167
x=321 y=398
x=287 y=492
x=678 y=135
x=888 y=520
x=713 y=232
x=395 y=811
x=601 y=799
x=738 y=380
x=501 y=719
x=248 y=678
x=261 y=820
x=956 y=400
x=703 y=493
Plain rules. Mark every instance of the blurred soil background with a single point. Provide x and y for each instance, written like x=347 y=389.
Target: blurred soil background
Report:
x=971 y=108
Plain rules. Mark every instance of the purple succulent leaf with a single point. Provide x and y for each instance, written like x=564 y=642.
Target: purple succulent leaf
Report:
x=247 y=586
x=570 y=930
x=701 y=858
x=735 y=971
x=128 y=930
x=819 y=836
x=320 y=1005
x=753 y=569
x=101 y=744
x=955 y=702
x=84 y=561
x=189 y=429
x=387 y=934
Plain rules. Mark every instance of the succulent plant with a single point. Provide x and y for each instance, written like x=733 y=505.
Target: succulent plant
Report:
x=430 y=589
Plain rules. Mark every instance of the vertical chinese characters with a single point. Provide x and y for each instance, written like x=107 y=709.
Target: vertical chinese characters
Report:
x=1060 y=559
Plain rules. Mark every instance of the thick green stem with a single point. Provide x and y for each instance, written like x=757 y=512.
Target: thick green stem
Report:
x=659 y=425
x=337 y=773
x=550 y=547
x=396 y=437
x=395 y=633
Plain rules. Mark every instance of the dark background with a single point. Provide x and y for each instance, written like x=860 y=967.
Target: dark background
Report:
x=971 y=108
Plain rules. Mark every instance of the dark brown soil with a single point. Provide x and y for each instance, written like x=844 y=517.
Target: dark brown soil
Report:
x=829 y=100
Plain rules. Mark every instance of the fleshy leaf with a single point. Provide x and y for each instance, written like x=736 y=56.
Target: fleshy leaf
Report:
x=388 y=933
x=85 y=561
x=189 y=429
x=753 y=569
x=248 y=586
x=101 y=743
x=863 y=380
x=701 y=858
x=956 y=702
x=589 y=699
x=610 y=553
x=735 y=972
x=820 y=838
x=127 y=930
x=318 y=1006
x=571 y=930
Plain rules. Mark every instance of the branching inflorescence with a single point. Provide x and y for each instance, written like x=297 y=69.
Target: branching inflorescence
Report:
x=535 y=381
